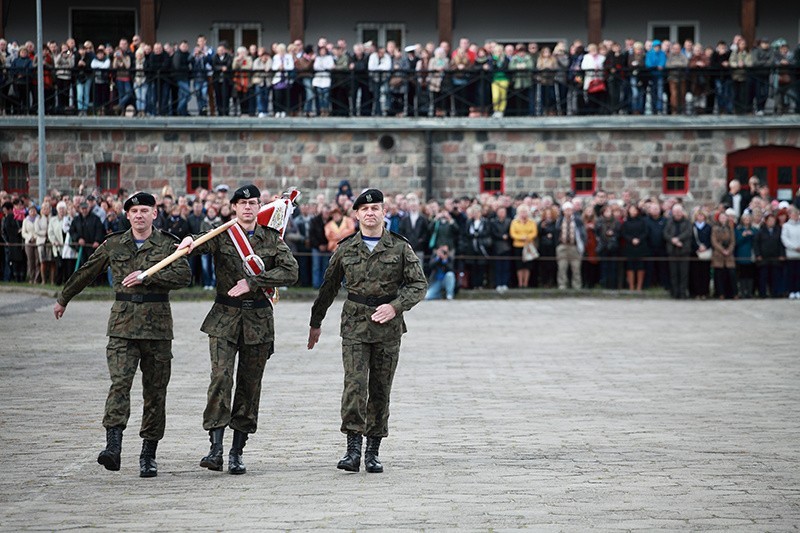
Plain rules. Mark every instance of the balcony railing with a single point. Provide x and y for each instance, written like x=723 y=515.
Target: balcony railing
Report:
x=399 y=93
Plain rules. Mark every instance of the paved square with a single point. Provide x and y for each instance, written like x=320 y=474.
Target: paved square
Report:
x=560 y=414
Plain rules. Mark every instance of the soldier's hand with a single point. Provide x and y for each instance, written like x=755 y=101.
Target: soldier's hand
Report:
x=240 y=288
x=131 y=279
x=187 y=242
x=383 y=314
x=313 y=337
x=58 y=310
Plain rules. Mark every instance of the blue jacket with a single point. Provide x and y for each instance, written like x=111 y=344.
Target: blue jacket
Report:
x=744 y=245
x=654 y=59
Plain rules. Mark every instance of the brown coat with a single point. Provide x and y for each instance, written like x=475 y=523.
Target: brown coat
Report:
x=723 y=239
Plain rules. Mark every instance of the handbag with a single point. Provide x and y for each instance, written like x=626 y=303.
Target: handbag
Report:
x=596 y=86
x=705 y=255
x=529 y=252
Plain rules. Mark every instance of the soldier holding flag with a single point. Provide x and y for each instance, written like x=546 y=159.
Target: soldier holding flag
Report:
x=251 y=260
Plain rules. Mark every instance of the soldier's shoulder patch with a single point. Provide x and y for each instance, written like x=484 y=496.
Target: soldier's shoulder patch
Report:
x=399 y=236
x=348 y=237
x=170 y=235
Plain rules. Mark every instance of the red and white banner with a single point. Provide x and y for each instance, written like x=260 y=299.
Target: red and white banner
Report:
x=253 y=264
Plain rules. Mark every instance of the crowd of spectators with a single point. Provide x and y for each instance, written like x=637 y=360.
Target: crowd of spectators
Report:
x=299 y=79
x=749 y=241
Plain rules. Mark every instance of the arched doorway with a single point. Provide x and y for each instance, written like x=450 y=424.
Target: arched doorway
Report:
x=776 y=166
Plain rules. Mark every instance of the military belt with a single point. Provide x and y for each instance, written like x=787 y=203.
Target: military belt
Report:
x=141 y=298
x=242 y=304
x=372 y=301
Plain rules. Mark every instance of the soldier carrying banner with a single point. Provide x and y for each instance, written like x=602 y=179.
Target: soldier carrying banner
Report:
x=251 y=261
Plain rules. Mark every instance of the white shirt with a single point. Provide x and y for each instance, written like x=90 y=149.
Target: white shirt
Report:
x=322 y=66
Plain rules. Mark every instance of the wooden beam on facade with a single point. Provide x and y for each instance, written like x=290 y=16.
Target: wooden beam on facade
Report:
x=445 y=21
x=749 y=21
x=297 y=20
x=147 y=21
x=595 y=21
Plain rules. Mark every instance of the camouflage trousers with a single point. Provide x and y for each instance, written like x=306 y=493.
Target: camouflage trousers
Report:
x=243 y=415
x=155 y=359
x=368 y=373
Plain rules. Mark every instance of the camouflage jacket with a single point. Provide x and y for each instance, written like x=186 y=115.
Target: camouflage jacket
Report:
x=129 y=320
x=255 y=326
x=391 y=269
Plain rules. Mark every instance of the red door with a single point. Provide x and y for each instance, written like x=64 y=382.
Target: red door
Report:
x=776 y=166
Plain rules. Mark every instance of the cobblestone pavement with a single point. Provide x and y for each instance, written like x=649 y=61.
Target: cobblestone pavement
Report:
x=552 y=415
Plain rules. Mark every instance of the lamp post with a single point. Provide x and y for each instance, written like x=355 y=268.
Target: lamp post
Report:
x=40 y=104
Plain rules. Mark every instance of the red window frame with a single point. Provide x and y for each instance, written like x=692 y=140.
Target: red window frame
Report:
x=7 y=165
x=667 y=167
x=114 y=180
x=573 y=183
x=191 y=166
x=483 y=178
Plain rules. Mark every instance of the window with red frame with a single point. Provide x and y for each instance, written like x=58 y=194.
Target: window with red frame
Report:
x=198 y=175
x=584 y=178
x=108 y=177
x=493 y=178
x=676 y=178
x=15 y=177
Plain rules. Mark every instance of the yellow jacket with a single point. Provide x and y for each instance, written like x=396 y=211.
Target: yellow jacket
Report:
x=522 y=232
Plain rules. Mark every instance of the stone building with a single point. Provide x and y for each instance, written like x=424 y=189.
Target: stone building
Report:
x=680 y=156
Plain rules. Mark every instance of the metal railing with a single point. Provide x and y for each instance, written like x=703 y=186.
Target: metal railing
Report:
x=402 y=93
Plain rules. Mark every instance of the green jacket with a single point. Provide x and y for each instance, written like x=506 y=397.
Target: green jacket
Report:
x=129 y=320
x=255 y=326
x=391 y=269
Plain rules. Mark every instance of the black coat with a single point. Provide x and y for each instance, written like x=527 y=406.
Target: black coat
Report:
x=768 y=245
x=181 y=66
x=500 y=230
x=90 y=229
x=179 y=228
x=418 y=234
x=217 y=62
x=316 y=233
x=476 y=241
x=635 y=228
x=12 y=235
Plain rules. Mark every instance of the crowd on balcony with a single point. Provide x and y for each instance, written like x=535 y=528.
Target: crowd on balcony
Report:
x=420 y=80
x=748 y=242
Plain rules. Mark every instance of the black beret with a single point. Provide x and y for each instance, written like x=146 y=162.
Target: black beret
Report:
x=139 y=198
x=245 y=193
x=370 y=196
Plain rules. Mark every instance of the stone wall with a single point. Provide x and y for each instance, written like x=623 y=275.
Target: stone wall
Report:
x=315 y=158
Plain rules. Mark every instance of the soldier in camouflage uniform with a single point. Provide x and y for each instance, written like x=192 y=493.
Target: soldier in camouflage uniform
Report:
x=240 y=321
x=383 y=279
x=139 y=328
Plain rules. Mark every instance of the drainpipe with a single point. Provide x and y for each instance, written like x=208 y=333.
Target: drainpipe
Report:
x=428 y=164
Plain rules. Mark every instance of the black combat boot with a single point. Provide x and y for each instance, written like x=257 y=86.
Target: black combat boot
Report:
x=352 y=459
x=147 y=459
x=371 y=462
x=213 y=461
x=110 y=457
x=235 y=464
